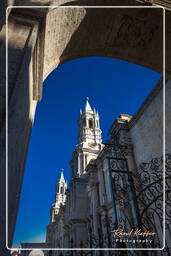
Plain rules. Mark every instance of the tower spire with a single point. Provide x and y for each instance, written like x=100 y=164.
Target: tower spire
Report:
x=89 y=128
x=62 y=175
x=60 y=197
x=89 y=140
x=87 y=106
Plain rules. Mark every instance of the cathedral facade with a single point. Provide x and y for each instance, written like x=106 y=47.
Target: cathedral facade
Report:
x=112 y=188
x=115 y=198
x=72 y=212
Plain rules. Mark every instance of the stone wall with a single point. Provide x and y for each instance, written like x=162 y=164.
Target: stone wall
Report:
x=147 y=126
x=21 y=108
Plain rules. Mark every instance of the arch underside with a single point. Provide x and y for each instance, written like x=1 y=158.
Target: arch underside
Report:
x=134 y=35
x=130 y=34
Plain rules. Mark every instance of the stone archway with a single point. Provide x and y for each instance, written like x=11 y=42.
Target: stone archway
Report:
x=40 y=40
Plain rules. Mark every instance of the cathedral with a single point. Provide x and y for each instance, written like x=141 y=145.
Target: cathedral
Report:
x=72 y=213
x=115 y=196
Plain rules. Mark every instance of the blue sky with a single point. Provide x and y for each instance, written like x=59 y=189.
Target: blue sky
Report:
x=113 y=87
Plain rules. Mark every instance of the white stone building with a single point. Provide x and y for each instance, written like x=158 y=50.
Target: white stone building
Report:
x=71 y=212
x=116 y=185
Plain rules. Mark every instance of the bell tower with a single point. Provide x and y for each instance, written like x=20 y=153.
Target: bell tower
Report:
x=60 y=197
x=89 y=140
x=89 y=127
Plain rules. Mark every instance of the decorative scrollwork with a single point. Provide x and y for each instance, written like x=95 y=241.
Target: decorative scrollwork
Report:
x=114 y=150
x=149 y=195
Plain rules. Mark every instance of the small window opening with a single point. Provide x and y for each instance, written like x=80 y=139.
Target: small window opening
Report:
x=84 y=122
x=90 y=123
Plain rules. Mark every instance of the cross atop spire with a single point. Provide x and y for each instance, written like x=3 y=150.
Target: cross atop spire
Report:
x=87 y=106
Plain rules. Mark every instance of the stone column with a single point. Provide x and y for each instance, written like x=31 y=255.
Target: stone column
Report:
x=22 y=36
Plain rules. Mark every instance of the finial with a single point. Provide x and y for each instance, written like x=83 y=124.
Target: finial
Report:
x=62 y=174
x=87 y=106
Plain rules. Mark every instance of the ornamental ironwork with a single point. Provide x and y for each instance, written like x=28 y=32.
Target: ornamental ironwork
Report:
x=148 y=191
x=150 y=197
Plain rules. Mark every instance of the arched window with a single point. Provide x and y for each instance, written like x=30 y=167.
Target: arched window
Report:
x=84 y=122
x=62 y=190
x=90 y=123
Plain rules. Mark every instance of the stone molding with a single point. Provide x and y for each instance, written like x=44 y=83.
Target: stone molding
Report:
x=34 y=17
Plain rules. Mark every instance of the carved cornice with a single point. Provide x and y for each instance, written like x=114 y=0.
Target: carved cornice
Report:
x=120 y=123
